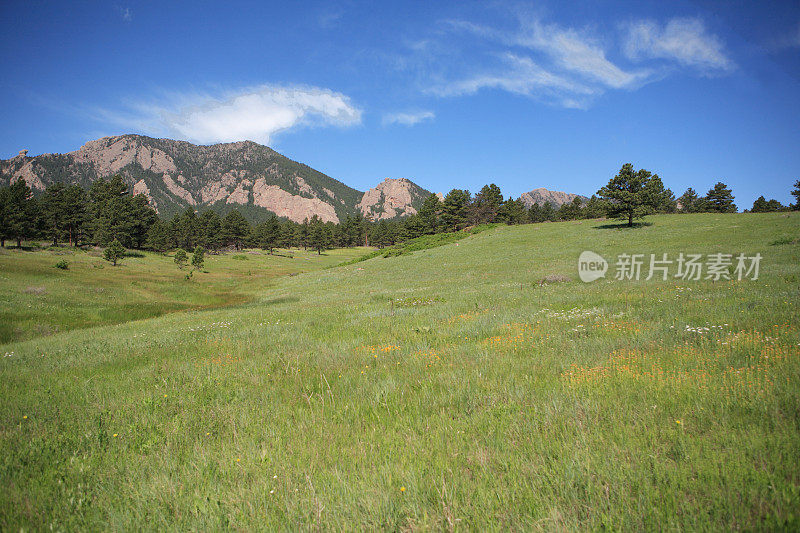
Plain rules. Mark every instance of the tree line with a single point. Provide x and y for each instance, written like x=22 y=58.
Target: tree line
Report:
x=108 y=211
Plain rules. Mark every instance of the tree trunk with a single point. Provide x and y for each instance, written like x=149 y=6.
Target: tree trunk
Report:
x=19 y=242
x=630 y=220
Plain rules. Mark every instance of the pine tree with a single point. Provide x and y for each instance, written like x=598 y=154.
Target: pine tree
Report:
x=180 y=258
x=20 y=212
x=114 y=252
x=689 y=201
x=486 y=205
x=454 y=209
x=198 y=257
x=796 y=193
x=268 y=234
x=628 y=194
x=429 y=214
x=235 y=229
x=53 y=211
x=720 y=199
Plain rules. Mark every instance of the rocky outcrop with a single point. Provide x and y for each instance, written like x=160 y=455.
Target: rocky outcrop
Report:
x=541 y=196
x=392 y=198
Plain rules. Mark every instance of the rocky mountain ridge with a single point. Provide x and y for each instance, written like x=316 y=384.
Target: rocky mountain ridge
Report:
x=253 y=178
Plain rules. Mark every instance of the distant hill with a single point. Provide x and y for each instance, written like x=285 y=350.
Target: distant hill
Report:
x=556 y=198
x=175 y=175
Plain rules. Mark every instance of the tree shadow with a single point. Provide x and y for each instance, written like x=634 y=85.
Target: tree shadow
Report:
x=623 y=225
x=276 y=301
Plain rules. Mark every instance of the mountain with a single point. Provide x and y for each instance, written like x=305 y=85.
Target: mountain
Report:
x=245 y=175
x=392 y=198
x=556 y=198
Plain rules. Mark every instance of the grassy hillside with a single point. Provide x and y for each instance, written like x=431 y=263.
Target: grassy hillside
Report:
x=38 y=299
x=442 y=389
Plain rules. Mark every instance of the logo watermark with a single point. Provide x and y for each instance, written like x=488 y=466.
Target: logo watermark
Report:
x=591 y=266
x=689 y=267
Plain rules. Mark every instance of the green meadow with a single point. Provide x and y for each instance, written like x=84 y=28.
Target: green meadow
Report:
x=445 y=389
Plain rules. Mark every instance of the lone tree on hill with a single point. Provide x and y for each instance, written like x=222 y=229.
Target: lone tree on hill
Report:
x=630 y=194
x=114 y=252
x=198 y=257
x=796 y=193
x=720 y=199
x=180 y=258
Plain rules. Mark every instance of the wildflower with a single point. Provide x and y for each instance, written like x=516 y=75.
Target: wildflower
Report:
x=678 y=422
x=24 y=417
x=238 y=460
x=275 y=476
x=402 y=489
x=116 y=435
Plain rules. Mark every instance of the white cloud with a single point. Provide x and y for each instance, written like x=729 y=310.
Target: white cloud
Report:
x=567 y=66
x=407 y=118
x=684 y=40
x=255 y=114
x=126 y=14
x=560 y=65
x=577 y=52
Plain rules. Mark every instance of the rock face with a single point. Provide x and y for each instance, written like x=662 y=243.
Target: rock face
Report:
x=174 y=175
x=541 y=196
x=392 y=198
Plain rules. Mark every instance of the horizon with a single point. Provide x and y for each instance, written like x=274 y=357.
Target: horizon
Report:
x=455 y=95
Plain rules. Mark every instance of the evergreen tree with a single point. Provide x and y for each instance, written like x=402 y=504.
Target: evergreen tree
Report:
x=114 y=252
x=571 y=210
x=486 y=205
x=159 y=237
x=689 y=201
x=661 y=198
x=180 y=258
x=317 y=235
x=268 y=234
x=235 y=229
x=720 y=199
x=20 y=212
x=429 y=214
x=53 y=211
x=594 y=208
x=796 y=193
x=187 y=230
x=628 y=194
x=75 y=215
x=454 y=209
x=198 y=257
x=209 y=230
x=535 y=213
x=548 y=213
x=4 y=209
x=512 y=212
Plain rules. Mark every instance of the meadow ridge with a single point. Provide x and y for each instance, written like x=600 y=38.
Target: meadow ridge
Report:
x=448 y=388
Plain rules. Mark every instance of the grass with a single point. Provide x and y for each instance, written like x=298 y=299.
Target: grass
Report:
x=486 y=401
x=37 y=297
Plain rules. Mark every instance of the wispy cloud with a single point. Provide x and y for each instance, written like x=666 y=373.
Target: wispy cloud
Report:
x=684 y=40
x=561 y=65
x=256 y=113
x=568 y=66
x=407 y=118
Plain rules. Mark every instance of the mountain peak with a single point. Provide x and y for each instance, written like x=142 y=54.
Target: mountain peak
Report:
x=391 y=198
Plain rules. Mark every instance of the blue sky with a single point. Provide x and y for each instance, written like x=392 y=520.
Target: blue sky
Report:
x=448 y=94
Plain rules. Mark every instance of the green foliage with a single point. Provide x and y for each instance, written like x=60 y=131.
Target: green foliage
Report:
x=633 y=194
x=796 y=193
x=62 y=264
x=198 y=257
x=180 y=258
x=114 y=252
x=719 y=199
x=761 y=205
x=455 y=209
x=235 y=229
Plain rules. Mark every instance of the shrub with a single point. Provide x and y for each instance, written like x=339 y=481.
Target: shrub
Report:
x=239 y=257
x=180 y=258
x=197 y=257
x=63 y=265
x=114 y=252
